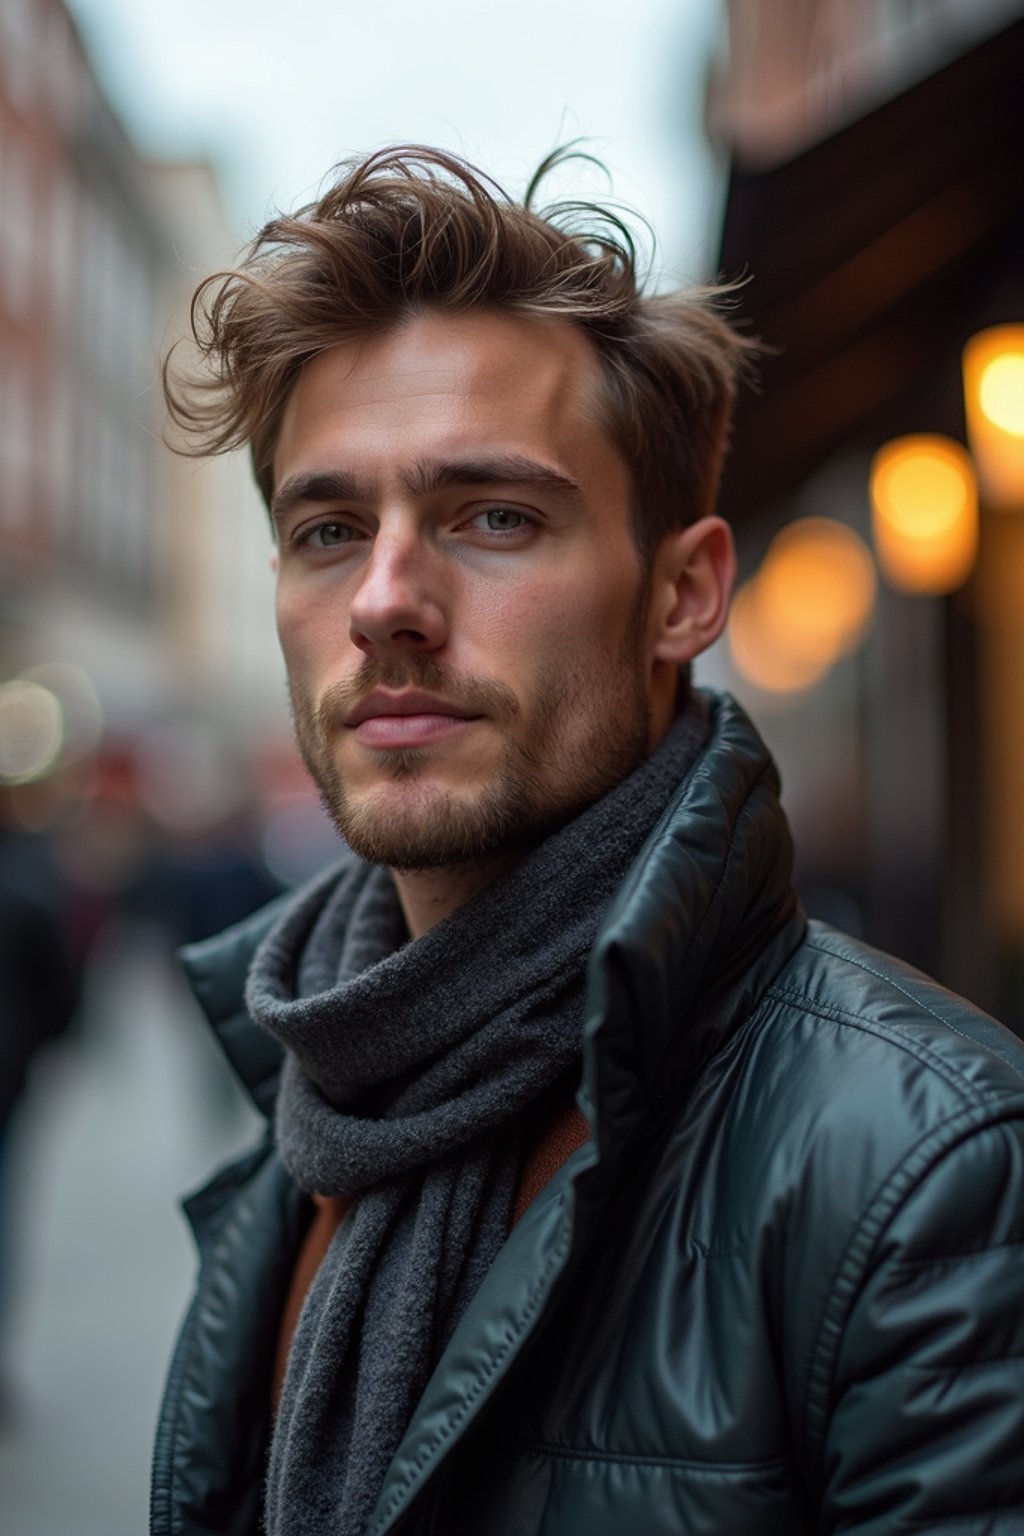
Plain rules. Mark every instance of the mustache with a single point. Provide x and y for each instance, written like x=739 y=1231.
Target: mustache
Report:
x=475 y=695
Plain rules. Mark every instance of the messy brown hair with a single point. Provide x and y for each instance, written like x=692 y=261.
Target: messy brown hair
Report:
x=411 y=229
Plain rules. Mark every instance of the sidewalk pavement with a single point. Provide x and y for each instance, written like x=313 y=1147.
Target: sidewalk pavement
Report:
x=123 y=1118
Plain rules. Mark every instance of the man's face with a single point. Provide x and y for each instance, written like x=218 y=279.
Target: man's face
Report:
x=459 y=600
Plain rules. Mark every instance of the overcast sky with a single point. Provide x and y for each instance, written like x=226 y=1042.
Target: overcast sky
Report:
x=275 y=91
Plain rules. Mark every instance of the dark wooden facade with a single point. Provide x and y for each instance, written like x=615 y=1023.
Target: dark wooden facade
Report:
x=872 y=256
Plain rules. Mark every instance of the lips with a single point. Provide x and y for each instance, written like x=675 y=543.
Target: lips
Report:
x=410 y=719
x=381 y=704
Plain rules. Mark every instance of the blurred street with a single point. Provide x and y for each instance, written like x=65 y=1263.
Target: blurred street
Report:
x=122 y=1117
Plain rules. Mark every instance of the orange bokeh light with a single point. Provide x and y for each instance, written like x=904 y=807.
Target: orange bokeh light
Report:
x=994 y=400
x=810 y=602
x=817 y=588
x=924 y=513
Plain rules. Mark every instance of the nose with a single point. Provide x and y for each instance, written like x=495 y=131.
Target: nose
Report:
x=400 y=601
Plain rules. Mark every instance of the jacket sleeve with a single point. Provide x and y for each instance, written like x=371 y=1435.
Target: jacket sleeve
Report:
x=922 y=1387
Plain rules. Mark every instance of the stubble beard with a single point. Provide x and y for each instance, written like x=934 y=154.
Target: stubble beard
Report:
x=543 y=779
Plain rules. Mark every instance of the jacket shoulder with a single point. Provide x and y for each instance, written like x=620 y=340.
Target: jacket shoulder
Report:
x=854 y=1077
x=867 y=1004
x=901 y=1125
x=851 y=1068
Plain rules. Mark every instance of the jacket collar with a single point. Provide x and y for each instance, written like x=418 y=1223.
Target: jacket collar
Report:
x=703 y=921
x=216 y=969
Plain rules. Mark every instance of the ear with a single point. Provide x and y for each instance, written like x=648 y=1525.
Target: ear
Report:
x=691 y=583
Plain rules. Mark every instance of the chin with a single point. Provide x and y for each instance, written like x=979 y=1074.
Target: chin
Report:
x=408 y=826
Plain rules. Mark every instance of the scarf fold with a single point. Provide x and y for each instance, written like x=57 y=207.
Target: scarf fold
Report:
x=409 y=1069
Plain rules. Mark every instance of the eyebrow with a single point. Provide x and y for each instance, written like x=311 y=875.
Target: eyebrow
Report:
x=318 y=485
x=426 y=477
x=493 y=469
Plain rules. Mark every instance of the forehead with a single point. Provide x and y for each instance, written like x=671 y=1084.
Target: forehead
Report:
x=451 y=382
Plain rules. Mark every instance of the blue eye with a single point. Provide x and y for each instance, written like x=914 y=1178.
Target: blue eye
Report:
x=503 y=519
x=328 y=535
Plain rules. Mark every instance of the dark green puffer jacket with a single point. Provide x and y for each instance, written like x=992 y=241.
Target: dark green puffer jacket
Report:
x=780 y=1290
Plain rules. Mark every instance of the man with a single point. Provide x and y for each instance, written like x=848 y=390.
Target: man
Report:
x=604 y=1194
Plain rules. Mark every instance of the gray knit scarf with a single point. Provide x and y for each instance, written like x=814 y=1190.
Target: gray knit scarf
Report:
x=410 y=1067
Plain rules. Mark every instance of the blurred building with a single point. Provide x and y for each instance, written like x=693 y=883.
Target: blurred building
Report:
x=800 y=70
x=874 y=200
x=137 y=581
x=80 y=259
x=222 y=622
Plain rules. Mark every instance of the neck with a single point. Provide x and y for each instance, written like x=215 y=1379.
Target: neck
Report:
x=430 y=895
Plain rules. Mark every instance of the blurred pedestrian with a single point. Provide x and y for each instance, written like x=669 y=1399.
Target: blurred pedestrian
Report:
x=40 y=986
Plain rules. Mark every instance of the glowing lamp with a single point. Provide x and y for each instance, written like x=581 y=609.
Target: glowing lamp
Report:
x=810 y=601
x=994 y=397
x=760 y=654
x=816 y=588
x=924 y=504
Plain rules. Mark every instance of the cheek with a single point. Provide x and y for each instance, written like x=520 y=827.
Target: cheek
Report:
x=578 y=614
x=569 y=622
x=312 y=634
x=511 y=632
